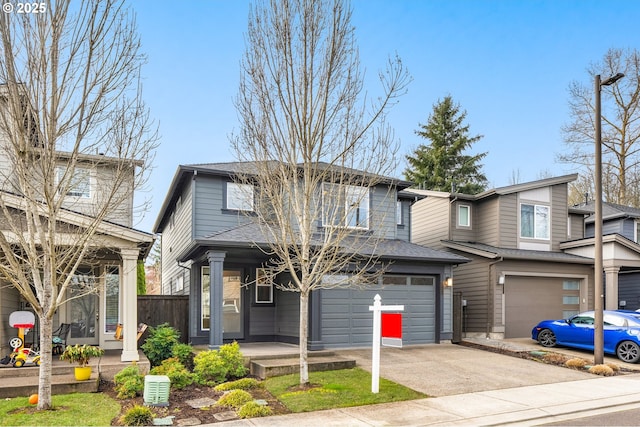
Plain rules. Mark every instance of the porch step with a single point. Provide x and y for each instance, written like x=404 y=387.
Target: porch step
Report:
x=266 y=368
x=26 y=385
x=32 y=371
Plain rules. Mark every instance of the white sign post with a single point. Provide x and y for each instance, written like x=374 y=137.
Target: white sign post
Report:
x=377 y=309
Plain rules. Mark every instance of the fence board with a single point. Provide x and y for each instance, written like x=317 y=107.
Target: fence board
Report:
x=172 y=309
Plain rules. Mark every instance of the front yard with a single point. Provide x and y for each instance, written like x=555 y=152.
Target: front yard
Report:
x=330 y=389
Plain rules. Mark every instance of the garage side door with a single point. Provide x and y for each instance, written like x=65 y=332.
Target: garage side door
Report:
x=528 y=300
x=347 y=321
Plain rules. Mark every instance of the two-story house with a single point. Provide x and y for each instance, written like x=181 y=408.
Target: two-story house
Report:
x=529 y=258
x=108 y=267
x=621 y=252
x=207 y=226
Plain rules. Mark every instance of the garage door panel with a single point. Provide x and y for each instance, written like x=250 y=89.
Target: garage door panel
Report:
x=350 y=324
x=529 y=300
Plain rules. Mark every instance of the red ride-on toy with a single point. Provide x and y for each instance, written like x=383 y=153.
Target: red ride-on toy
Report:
x=24 y=321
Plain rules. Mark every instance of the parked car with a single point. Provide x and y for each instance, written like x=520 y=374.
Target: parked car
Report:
x=621 y=333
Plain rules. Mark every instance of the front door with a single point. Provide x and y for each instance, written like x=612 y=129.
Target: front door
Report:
x=232 y=305
x=82 y=310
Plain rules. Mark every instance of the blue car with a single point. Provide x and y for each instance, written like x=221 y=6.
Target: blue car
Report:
x=621 y=333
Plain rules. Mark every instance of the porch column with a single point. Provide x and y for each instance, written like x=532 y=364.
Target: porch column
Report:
x=129 y=295
x=611 y=282
x=216 y=268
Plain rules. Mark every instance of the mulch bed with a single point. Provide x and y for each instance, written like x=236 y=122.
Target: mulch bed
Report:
x=552 y=358
x=182 y=411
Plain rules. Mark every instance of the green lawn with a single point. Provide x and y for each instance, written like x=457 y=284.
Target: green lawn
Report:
x=87 y=409
x=336 y=389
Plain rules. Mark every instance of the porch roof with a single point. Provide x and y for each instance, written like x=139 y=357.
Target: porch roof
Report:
x=494 y=252
x=252 y=236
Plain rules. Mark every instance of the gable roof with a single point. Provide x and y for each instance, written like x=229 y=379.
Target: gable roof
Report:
x=231 y=169
x=252 y=235
x=143 y=239
x=500 y=191
x=494 y=252
x=611 y=211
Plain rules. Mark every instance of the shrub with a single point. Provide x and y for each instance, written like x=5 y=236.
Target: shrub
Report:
x=235 y=399
x=138 y=416
x=233 y=359
x=215 y=366
x=241 y=384
x=160 y=342
x=253 y=410
x=129 y=382
x=576 y=362
x=179 y=376
x=184 y=353
x=603 y=370
x=613 y=366
x=554 y=358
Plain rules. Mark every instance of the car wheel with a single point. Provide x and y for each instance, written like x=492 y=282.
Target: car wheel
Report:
x=628 y=351
x=547 y=338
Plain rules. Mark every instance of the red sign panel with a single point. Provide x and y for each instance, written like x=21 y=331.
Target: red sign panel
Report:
x=391 y=325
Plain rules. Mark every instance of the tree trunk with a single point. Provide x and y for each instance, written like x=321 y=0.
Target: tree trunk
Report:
x=46 y=359
x=304 y=332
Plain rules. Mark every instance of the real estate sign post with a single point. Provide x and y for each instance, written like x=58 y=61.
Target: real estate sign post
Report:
x=392 y=328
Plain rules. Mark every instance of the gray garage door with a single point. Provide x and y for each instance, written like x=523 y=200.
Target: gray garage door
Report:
x=347 y=321
x=528 y=300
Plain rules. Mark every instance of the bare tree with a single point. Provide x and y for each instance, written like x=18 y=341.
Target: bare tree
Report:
x=620 y=126
x=309 y=129
x=70 y=110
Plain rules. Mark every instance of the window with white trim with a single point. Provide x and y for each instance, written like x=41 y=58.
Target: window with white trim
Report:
x=205 y=315
x=80 y=184
x=535 y=221
x=345 y=206
x=239 y=197
x=399 y=212
x=464 y=216
x=636 y=234
x=264 y=287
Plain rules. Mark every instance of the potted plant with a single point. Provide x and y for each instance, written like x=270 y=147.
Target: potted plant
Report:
x=81 y=354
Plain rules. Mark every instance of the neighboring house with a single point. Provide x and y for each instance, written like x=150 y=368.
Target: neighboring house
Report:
x=211 y=251
x=621 y=252
x=529 y=258
x=111 y=268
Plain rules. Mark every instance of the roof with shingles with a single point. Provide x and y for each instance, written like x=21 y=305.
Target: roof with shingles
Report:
x=252 y=234
x=494 y=252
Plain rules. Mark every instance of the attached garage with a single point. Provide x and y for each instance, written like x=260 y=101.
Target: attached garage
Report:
x=528 y=300
x=347 y=322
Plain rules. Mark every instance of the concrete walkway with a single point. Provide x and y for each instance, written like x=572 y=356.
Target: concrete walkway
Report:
x=475 y=387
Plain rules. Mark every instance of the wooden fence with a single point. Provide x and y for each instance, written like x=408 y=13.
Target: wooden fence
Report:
x=172 y=309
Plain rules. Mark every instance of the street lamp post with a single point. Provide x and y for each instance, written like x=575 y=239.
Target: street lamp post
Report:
x=598 y=339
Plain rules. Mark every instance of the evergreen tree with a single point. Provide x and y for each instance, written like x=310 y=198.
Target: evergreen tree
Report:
x=442 y=165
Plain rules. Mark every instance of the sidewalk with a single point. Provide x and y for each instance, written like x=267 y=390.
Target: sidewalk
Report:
x=525 y=406
x=476 y=388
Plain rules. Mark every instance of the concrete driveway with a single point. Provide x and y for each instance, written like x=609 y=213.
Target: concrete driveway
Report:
x=449 y=369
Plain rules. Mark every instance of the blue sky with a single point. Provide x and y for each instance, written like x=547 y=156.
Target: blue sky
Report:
x=508 y=63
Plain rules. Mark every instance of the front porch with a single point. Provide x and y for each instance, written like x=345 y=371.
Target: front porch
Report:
x=15 y=382
x=264 y=360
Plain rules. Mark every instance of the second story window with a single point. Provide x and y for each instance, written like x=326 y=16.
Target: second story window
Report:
x=345 y=206
x=239 y=197
x=535 y=221
x=399 y=213
x=357 y=206
x=464 y=216
x=80 y=184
